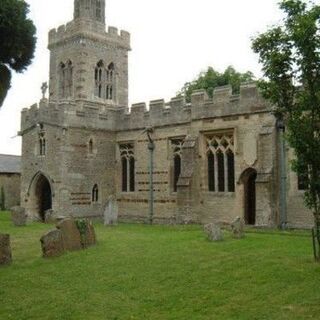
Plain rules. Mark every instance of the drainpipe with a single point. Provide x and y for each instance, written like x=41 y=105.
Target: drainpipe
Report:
x=283 y=174
x=151 y=147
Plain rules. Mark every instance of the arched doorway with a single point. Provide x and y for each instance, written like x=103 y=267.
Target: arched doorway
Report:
x=43 y=195
x=248 y=179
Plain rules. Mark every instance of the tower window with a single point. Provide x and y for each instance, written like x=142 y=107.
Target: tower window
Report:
x=42 y=146
x=91 y=146
x=127 y=167
x=104 y=81
x=98 y=10
x=95 y=193
x=66 y=79
x=220 y=160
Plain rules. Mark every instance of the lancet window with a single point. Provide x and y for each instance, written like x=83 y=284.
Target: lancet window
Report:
x=66 y=79
x=127 y=167
x=42 y=146
x=303 y=179
x=95 y=193
x=98 y=10
x=220 y=161
x=176 y=145
x=90 y=146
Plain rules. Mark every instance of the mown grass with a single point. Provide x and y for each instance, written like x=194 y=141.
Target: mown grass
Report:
x=161 y=272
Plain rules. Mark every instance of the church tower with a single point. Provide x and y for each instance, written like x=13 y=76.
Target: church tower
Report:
x=89 y=10
x=86 y=62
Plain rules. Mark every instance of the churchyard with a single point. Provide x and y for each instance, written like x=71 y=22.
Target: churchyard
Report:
x=161 y=272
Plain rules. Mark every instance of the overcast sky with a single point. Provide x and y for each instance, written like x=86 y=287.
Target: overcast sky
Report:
x=172 y=41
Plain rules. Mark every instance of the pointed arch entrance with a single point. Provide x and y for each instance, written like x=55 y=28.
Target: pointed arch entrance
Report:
x=40 y=193
x=248 y=179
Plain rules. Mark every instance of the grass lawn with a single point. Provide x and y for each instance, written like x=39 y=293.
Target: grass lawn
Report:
x=161 y=272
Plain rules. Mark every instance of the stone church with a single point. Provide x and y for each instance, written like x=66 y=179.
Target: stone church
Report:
x=213 y=159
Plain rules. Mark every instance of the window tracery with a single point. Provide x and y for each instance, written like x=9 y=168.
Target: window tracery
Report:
x=220 y=161
x=127 y=167
x=105 y=81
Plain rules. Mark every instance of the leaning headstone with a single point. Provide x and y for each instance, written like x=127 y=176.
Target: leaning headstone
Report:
x=5 y=249
x=18 y=216
x=213 y=232
x=111 y=211
x=88 y=235
x=70 y=235
x=237 y=227
x=52 y=244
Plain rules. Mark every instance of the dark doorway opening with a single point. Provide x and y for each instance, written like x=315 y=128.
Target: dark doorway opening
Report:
x=44 y=196
x=249 y=183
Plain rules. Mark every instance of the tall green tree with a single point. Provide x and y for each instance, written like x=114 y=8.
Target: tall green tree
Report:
x=17 y=41
x=290 y=57
x=211 y=79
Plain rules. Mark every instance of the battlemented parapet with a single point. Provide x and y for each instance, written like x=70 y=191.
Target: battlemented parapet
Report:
x=95 y=115
x=81 y=30
x=177 y=111
x=65 y=114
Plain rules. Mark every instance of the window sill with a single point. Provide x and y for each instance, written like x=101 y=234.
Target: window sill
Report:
x=219 y=194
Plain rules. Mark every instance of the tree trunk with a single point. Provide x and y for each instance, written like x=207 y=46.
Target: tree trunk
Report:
x=316 y=237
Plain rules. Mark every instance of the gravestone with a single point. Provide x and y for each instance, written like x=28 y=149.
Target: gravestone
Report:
x=237 y=227
x=88 y=237
x=18 y=216
x=213 y=232
x=70 y=235
x=111 y=211
x=52 y=244
x=5 y=249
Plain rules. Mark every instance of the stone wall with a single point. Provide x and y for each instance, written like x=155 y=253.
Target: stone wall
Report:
x=11 y=185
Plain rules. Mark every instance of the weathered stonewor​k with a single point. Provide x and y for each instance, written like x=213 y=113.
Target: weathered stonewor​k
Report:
x=5 y=250
x=18 y=216
x=52 y=244
x=70 y=235
x=214 y=159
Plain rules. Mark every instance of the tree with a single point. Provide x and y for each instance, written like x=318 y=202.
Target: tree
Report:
x=211 y=79
x=17 y=41
x=290 y=57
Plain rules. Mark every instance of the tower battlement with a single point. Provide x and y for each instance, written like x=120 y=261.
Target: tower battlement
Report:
x=157 y=113
x=71 y=30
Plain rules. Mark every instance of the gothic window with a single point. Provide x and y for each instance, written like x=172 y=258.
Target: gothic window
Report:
x=95 y=193
x=76 y=9
x=127 y=167
x=110 y=81
x=91 y=146
x=303 y=179
x=98 y=77
x=220 y=161
x=104 y=81
x=42 y=146
x=176 y=145
x=98 y=10
x=211 y=172
x=66 y=79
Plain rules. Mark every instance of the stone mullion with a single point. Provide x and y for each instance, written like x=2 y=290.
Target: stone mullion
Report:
x=128 y=174
x=216 y=172
x=226 y=173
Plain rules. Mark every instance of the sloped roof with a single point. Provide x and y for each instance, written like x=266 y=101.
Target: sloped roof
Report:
x=10 y=164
